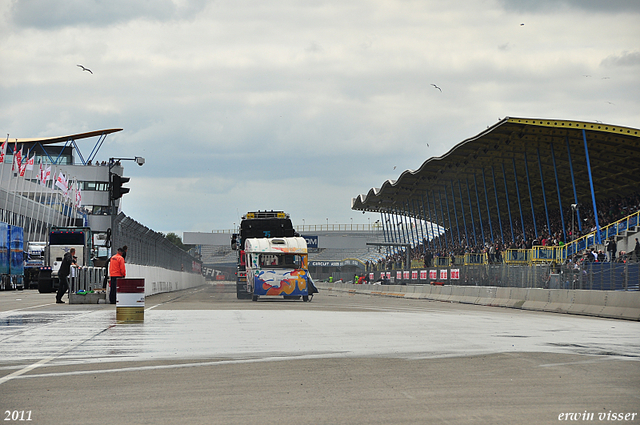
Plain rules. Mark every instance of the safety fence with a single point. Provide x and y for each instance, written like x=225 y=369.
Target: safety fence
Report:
x=593 y=276
x=149 y=248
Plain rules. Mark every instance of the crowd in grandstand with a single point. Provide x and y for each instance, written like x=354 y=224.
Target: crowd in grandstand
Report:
x=458 y=242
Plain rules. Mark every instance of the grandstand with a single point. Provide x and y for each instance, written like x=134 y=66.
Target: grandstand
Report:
x=525 y=191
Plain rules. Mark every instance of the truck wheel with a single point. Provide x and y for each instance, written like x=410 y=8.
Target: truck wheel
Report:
x=305 y=298
x=45 y=286
x=254 y=298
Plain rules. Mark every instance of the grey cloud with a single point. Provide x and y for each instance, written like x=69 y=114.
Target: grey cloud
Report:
x=612 y=6
x=624 y=59
x=47 y=14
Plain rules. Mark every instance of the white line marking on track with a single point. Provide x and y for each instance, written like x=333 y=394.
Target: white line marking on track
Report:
x=179 y=365
x=26 y=308
x=46 y=360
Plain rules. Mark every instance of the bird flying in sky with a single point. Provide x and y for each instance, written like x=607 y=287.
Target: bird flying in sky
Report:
x=85 y=69
x=437 y=87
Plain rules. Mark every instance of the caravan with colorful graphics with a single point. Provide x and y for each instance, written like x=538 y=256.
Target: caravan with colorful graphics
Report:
x=277 y=267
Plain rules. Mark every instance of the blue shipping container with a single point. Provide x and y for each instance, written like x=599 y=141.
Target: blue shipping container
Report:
x=17 y=250
x=4 y=248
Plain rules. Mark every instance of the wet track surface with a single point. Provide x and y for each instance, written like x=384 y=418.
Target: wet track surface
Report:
x=208 y=327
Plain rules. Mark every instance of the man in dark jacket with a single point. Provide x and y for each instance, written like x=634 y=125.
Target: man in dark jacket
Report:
x=63 y=274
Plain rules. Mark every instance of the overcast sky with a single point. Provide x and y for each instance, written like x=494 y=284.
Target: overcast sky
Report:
x=302 y=105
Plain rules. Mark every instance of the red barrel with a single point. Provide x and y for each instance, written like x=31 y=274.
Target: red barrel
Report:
x=129 y=300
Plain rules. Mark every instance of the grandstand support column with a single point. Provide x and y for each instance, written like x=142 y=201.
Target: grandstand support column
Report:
x=544 y=195
x=475 y=183
x=395 y=226
x=473 y=221
x=486 y=199
x=384 y=231
x=421 y=234
x=573 y=183
x=385 y=228
x=455 y=212
x=404 y=237
x=412 y=222
x=506 y=193
x=515 y=177
x=415 y=216
x=593 y=194
x=446 y=239
x=464 y=219
x=533 y=213
x=391 y=222
x=495 y=191
x=555 y=170
x=435 y=215
x=430 y=218
x=425 y=224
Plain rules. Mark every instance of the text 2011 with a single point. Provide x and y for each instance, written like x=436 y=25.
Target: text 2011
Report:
x=17 y=415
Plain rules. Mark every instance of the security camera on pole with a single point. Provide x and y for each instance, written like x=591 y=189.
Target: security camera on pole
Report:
x=116 y=189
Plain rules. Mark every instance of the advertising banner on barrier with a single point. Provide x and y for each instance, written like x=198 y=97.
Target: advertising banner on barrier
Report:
x=399 y=275
x=312 y=241
x=433 y=274
x=455 y=274
x=406 y=274
x=388 y=275
x=443 y=274
x=414 y=274
x=423 y=275
x=372 y=276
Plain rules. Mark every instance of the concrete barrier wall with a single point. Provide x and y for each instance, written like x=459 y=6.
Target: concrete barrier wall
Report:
x=612 y=304
x=158 y=280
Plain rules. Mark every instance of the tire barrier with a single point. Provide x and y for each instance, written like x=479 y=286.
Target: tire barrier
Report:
x=610 y=304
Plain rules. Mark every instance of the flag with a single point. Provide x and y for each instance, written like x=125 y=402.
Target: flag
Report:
x=16 y=157
x=31 y=162
x=45 y=173
x=22 y=167
x=3 y=149
x=78 y=196
x=61 y=182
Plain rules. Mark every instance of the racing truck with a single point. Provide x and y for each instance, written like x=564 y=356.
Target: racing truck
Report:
x=257 y=225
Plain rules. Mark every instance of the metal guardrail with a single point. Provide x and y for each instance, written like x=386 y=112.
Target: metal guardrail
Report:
x=86 y=279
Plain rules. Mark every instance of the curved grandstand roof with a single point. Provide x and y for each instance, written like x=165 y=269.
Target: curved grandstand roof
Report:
x=58 y=139
x=521 y=150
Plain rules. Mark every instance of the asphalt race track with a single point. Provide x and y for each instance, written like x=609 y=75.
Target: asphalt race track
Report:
x=203 y=357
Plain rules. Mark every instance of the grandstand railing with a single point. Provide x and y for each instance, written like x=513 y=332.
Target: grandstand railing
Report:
x=614 y=229
x=548 y=254
x=471 y=259
x=517 y=256
x=442 y=261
